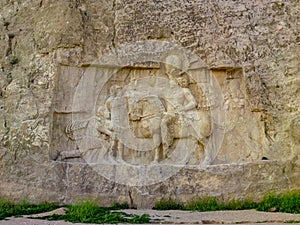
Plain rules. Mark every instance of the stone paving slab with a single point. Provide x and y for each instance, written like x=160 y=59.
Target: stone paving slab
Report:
x=227 y=217
x=246 y=217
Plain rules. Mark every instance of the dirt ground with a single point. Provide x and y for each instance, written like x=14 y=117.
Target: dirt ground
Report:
x=186 y=217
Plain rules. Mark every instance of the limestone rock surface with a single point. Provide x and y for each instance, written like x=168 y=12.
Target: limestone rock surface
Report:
x=250 y=47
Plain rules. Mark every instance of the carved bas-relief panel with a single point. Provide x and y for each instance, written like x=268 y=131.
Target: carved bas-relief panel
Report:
x=143 y=112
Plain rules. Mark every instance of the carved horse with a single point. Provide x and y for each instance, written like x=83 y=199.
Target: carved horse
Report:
x=153 y=121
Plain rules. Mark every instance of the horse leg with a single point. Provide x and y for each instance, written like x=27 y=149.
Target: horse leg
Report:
x=110 y=156
x=156 y=135
x=120 y=150
x=167 y=135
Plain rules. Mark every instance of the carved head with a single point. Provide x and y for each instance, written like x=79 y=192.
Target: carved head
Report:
x=175 y=63
x=114 y=90
x=183 y=81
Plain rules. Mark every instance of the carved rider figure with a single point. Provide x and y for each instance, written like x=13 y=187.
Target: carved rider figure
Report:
x=182 y=111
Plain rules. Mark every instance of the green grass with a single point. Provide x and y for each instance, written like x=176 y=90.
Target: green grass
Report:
x=204 y=204
x=119 y=206
x=84 y=212
x=288 y=202
x=168 y=204
x=240 y=205
x=8 y=208
x=89 y=212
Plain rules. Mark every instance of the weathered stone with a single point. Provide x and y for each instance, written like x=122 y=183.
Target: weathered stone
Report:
x=249 y=49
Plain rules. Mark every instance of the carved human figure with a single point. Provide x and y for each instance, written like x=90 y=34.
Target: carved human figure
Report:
x=173 y=65
x=234 y=97
x=180 y=114
x=185 y=103
x=100 y=124
x=105 y=125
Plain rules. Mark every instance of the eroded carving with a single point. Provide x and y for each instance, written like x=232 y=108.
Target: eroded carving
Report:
x=233 y=94
x=141 y=122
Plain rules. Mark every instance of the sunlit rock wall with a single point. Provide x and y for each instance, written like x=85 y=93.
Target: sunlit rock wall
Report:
x=250 y=48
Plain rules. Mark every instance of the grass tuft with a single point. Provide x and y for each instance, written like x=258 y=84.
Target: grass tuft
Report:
x=212 y=204
x=203 y=204
x=287 y=202
x=168 y=204
x=119 y=206
x=8 y=208
x=239 y=205
x=83 y=211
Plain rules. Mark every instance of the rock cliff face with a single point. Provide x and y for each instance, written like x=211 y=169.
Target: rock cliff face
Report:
x=250 y=47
